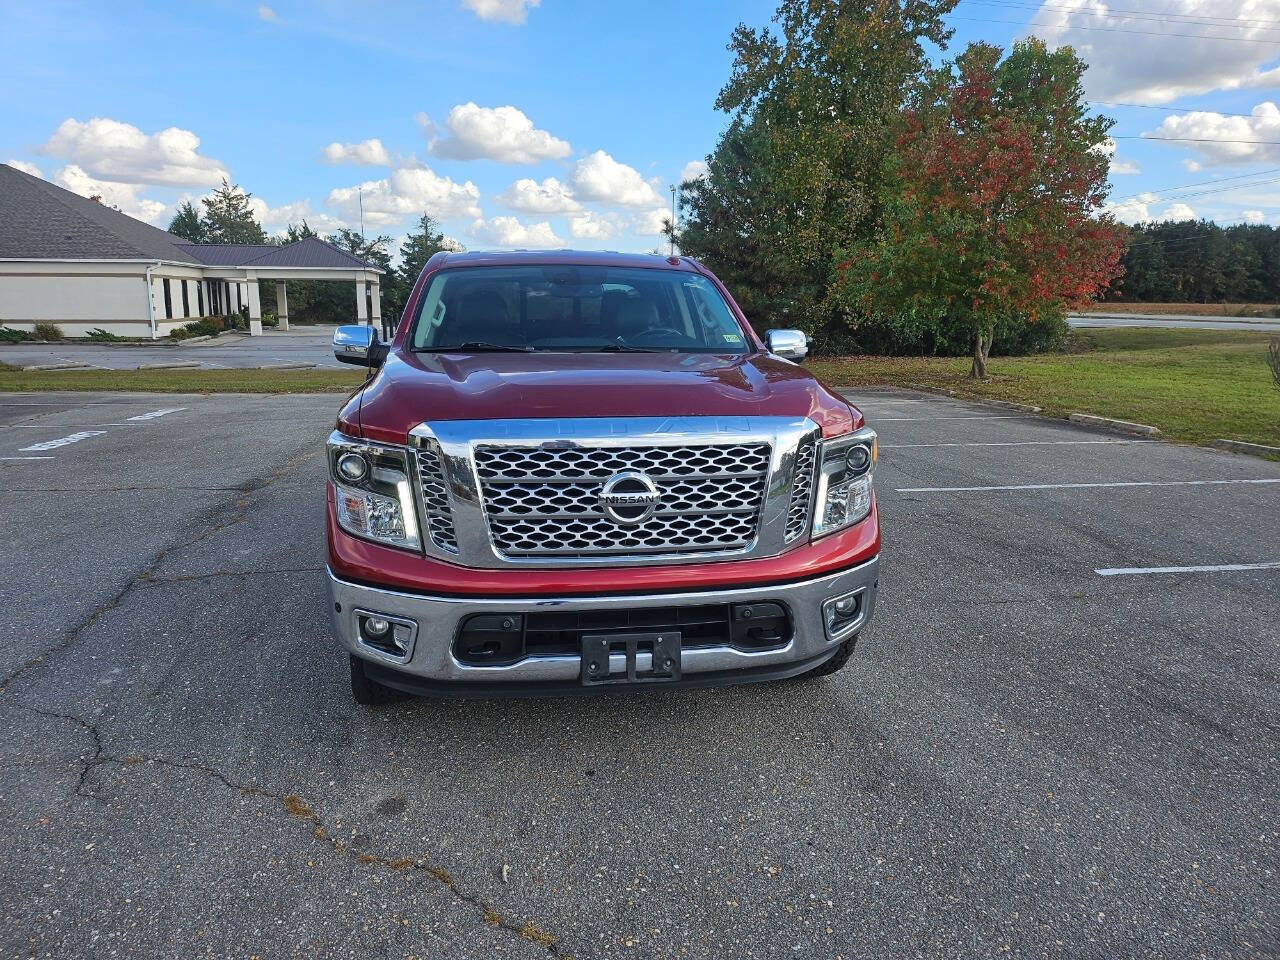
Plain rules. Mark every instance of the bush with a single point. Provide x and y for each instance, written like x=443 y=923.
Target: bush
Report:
x=13 y=336
x=204 y=327
x=49 y=331
x=270 y=320
x=946 y=337
x=98 y=335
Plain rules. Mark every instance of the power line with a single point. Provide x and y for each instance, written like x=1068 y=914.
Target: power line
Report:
x=1205 y=183
x=1140 y=136
x=1152 y=106
x=1145 y=33
x=1187 y=18
x=1161 y=198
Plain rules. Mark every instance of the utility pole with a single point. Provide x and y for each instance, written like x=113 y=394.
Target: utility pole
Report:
x=673 y=219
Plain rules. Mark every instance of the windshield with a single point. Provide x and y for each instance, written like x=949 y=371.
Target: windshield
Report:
x=557 y=307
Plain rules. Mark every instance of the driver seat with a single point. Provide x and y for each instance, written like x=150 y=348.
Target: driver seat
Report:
x=484 y=317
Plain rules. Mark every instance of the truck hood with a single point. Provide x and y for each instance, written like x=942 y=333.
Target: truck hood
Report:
x=413 y=388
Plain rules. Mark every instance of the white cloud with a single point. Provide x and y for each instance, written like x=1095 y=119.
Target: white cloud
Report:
x=1177 y=212
x=407 y=192
x=122 y=153
x=1134 y=209
x=589 y=225
x=650 y=224
x=267 y=14
x=277 y=220
x=1203 y=125
x=368 y=153
x=1133 y=65
x=127 y=197
x=1252 y=216
x=549 y=196
x=510 y=232
x=508 y=11
x=504 y=134
x=693 y=170
x=600 y=177
x=25 y=167
x=1123 y=168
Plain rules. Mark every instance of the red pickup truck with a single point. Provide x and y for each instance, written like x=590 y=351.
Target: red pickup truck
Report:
x=575 y=472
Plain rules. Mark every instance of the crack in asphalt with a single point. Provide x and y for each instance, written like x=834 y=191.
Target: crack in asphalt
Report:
x=239 y=506
x=297 y=807
x=189 y=577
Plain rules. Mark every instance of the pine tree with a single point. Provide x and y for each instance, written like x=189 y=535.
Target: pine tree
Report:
x=228 y=218
x=186 y=223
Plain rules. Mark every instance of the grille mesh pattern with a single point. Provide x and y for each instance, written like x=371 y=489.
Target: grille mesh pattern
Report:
x=542 y=502
x=801 y=490
x=435 y=498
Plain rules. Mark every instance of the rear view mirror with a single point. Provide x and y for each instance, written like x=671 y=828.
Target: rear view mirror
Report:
x=358 y=344
x=788 y=344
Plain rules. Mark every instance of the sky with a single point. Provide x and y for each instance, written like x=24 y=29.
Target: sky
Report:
x=554 y=123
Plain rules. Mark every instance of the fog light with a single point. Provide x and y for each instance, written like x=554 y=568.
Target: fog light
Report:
x=353 y=467
x=842 y=615
x=376 y=627
x=859 y=459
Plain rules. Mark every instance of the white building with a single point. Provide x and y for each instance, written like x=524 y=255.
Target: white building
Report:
x=78 y=263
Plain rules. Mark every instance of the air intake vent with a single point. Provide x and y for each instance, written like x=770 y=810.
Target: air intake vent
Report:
x=435 y=499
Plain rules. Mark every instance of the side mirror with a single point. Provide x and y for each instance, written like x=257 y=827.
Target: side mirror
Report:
x=359 y=344
x=788 y=344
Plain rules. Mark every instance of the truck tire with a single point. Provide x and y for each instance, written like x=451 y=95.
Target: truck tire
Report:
x=369 y=693
x=835 y=663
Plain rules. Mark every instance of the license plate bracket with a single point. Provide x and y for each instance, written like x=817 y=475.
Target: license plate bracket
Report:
x=646 y=658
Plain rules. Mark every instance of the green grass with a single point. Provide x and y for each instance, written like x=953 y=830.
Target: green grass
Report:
x=1195 y=385
x=183 y=381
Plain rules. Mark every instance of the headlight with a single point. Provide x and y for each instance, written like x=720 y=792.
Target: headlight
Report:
x=373 y=492
x=843 y=493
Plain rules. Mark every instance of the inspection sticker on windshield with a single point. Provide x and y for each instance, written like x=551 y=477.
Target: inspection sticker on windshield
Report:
x=732 y=338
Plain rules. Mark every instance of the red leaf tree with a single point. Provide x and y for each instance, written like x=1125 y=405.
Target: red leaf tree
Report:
x=994 y=214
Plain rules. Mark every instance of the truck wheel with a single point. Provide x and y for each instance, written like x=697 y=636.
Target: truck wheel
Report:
x=835 y=663
x=369 y=693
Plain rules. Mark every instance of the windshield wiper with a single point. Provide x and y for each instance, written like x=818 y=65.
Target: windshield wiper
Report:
x=479 y=346
x=627 y=348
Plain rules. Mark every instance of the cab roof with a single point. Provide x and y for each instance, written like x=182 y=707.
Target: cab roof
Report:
x=592 y=258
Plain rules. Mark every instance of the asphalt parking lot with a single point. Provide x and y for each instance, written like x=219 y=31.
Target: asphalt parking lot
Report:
x=1044 y=746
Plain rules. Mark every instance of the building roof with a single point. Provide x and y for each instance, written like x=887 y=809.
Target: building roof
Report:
x=41 y=221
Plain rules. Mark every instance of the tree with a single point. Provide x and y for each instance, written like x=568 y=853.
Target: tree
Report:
x=799 y=170
x=186 y=223
x=418 y=247
x=228 y=217
x=993 y=218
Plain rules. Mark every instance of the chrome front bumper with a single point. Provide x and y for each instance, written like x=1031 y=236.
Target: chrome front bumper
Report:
x=433 y=622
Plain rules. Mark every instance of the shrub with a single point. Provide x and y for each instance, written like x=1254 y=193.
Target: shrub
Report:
x=13 y=336
x=204 y=327
x=99 y=335
x=49 y=331
x=270 y=320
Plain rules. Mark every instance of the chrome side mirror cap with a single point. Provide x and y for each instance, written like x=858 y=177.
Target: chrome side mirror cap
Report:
x=788 y=344
x=358 y=344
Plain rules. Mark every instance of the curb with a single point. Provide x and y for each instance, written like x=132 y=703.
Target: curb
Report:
x=968 y=398
x=169 y=365
x=1117 y=426
x=285 y=366
x=1240 y=446
x=56 y=366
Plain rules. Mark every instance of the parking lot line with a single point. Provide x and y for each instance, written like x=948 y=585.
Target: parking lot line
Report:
x=1013 y=416
x=26 y=458
x=63 y=441
x=1011 y=443
x=154 y=414
x=1211 y=568
x=1082 y=486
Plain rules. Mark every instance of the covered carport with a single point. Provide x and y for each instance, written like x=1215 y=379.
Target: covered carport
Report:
x=234 y=273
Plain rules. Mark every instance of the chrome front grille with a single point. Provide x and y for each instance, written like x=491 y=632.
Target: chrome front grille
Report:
x=543 y=501
x=801 y=490
x=435 y=500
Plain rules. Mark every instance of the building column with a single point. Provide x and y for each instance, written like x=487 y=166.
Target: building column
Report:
x=282 y=305
x=375 y=303
x=255 y=310
x=362 y=308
